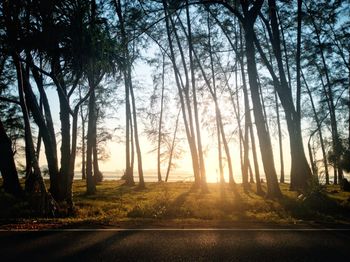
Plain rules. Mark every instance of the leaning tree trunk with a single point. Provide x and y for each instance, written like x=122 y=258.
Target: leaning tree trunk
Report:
x=300 y=170
x=190 y=138
x=200 y=178
x=249 y=122
x=160 y=122
x=195 y=103
x=136 y=134
x=46 y=128
x=172 y=148
x=41 y=201
x=318 y=123
x=279 y=139
x=35 y=186
x=273 y=189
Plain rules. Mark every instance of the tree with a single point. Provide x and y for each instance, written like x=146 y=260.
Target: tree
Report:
x=130 y=111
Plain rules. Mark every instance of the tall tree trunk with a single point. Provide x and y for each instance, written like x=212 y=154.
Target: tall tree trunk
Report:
x=34 y=185
x=297 y=59
x=160 y=122
x=200 y=180
x=69 y=186
x=300 y=170
x=90 y=179
x=69 y=191
x=273 y=189
x=46 y=128
x=195 y=103
x=312 y=161
x=246 y=137
x=172 y=147
x=65 y=143
x=97 y=173
x=318 y=123
x=218 y=126
x=190 y=139
x=128 y=175
x=136 y=134
x=249 y=120
x=83 y=150
x=279 y=139
x=334 y=126
x=218 y=117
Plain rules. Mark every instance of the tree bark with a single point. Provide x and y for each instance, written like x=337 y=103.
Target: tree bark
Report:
x=279 y=139
x=172 y=147
x=90 y=179
x=273 y=189
x=195 y=104
x=160 y=122
x=319 y=127
x=46 y=128
x=189 y=136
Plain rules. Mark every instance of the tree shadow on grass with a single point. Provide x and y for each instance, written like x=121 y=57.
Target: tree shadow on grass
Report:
x=314 y=207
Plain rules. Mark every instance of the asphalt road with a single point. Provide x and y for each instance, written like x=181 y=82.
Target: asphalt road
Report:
x=176 y=245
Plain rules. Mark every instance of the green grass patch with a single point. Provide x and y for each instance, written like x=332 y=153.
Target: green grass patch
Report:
x=115 y=203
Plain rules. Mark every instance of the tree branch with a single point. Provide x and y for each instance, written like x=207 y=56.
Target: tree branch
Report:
x=5 y=99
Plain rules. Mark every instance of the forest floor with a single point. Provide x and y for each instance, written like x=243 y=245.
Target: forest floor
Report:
x=177 y=205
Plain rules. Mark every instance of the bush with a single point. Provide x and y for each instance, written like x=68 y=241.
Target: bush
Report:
x=344 y=185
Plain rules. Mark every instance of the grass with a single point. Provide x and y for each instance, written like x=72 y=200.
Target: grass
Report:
x=176 y=203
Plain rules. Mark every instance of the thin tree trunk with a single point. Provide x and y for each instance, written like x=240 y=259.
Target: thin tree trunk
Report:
x=312 y=161
x=160 y=123
x=193 y=150
x=186 y=90
x=90 y=180
x=279 y=139
x=128 y=175
x=334 y=126
x=218 y=126
x=300 y=170
x=69 y=192
x=249 y=121
x=318 y=123
x=172 y=147
x=46 y=128
x=34 y=184
x=97 y=173
x=136 y=135
x=285 y=52
x=297 y=58
x=273 y=189
x=195 y=104
x=325 y=92
x=83 y=150
x=218 y=115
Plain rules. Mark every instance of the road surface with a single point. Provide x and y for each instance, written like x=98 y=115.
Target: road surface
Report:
x=176 y=245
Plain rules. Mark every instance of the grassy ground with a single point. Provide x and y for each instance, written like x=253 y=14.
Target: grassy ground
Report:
x=175 y=204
